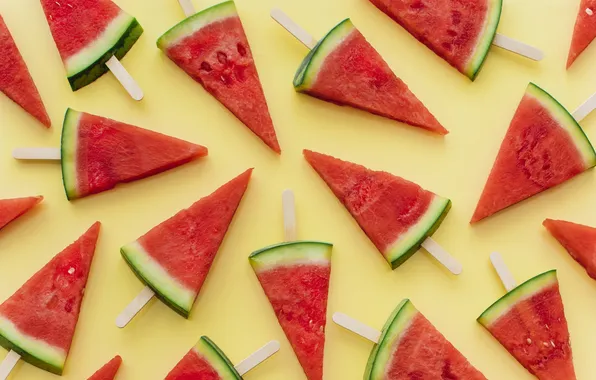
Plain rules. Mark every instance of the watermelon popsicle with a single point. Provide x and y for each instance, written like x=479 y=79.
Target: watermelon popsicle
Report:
x=584 y=31
x=11 y=209
x=108 y=371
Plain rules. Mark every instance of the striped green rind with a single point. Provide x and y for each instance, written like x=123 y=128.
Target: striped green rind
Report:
x=33 y=351
x=217 y=359
x=291 y=253
x=68 y=152
x=382 y=353
x=166 y=288
x=485 y=40
x=195 y=22
x=311 y=65
x=410 y=241
x=524 y=291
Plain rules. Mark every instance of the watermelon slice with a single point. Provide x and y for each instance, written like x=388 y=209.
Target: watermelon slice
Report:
x=174 y=257
x=295 y=278
x=460 y=32
x=87 y=34
x=584 y=31
x=410 y=347
x=15 y=79
x=530 y=323
x=578 y=240
x=543 y=147
x=345 y=69
x=10 y=209
x=212 y=48
x=108 y=371
x=205 y=361
x=38 y=321
x=98 y=153
x=396 y=214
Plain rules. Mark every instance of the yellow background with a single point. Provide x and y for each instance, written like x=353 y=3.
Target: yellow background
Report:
x=231 y=308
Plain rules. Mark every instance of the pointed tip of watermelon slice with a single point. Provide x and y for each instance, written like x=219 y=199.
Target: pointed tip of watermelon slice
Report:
x=109 y=370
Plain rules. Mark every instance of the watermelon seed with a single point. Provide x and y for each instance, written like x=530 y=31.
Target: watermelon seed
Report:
x=552 y=343
x=206 y=66
x=71 y=270
x=222 y=57
x=589 y=12
x=529 y=341
x=241 y=49
x=545 y=344
x=57 y=3
x=69 y=5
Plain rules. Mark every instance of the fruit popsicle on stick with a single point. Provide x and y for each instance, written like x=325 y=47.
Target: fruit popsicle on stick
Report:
x=410 y=347
x=11 y=209
x=37 y=323
x=108 y=371
x=397 y=215
x=98 y=153
x=529 y=321
x=345 y=69
x=295 y=278
x=92 y=37
x=205 y=361
x=173 y=259
x=459 y=32
x=584 y=31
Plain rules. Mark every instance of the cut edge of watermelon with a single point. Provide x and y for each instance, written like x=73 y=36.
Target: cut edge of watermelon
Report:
x=216 y=358
x=196 y=22
x=485 y=39
x=33 y=351
x=524 y=291
x=410 y=242
x=68 y=152
x=311 y=65
x=291 y=253
x=167 y=288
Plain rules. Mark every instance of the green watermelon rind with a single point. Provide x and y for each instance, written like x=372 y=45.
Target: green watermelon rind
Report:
x=217 y=359
x=397 y=323
x=68 y=152
x=291 y=253
x=486 y=39
x=524 y=291
x=196 y=22
x=306 y=75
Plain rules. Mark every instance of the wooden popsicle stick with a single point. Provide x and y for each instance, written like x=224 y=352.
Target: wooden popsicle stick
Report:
x=125 y=79
x=584 y=110
x=257 y=357
x=518 y=47
x=187 y=7
x=51 y=154
x=8 y=364
x=285 y=21
x=506 y=277
x=134 y=307
x=357 y=327
x=442 y=256
x=289 y=210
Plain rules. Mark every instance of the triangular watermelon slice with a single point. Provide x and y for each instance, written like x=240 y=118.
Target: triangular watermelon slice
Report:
x=87 y=34
x=212 y=48
x=108 y=371
x=98 y=153
x=578 y=240
x=175 y=256
x=410 y=347
x=396 y=214
x=295 y=278
x=10 y=209
x=584 y=31
x=205 y=361
x=530 y=323
x=460 y=32
x=543 y=147
x=15 y=79
x=38 y=321
x=345 y=69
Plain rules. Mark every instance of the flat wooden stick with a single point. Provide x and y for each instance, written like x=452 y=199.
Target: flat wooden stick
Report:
x=187 y=7
x=357 y=327
x=125 y=79
x=585 y=109
x=285 y=21
x=134 y=307
x=51 y=154
x=518 y=47
x=257 y=357
x=289 y=210
x=8 y=364
x=506 y=277
x=442 y=256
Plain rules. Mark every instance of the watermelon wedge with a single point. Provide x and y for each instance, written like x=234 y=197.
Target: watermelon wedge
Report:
x=175 y=256
x=345 y=69
x=10 y=209
x=109 y=370
x=295 y=278
x=87 y=34
x=397 y=215
x=543 y=147
x=584 y=31
x=410 y=347
x=38 y=321
x=212 y=48
x=205 y=361
x=15 y=79
x=460 y=32
x=578 y=240
x=530 y=323
x=98 y=153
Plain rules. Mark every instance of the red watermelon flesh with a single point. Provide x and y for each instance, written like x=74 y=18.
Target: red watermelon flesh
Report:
x=578 y=240
x=15 y=79
x=584 y=31
x=109 y=370
x=205 y=361
x=10 y=209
